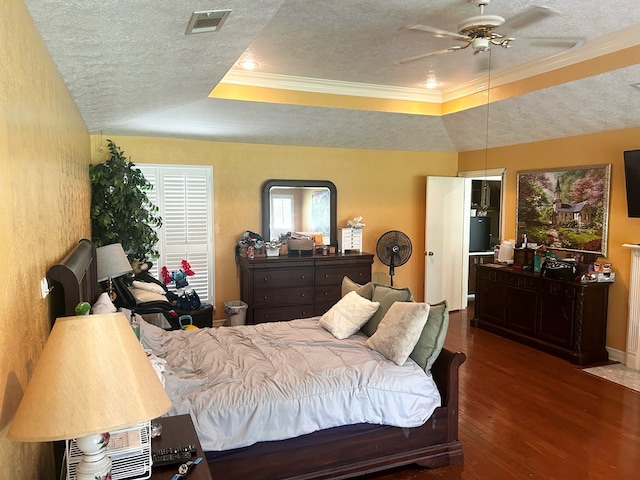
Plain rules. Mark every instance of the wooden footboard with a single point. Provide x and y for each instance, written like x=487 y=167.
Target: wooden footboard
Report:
x=433 y=444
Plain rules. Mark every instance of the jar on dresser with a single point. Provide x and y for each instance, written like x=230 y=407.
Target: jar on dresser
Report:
x=289 y=287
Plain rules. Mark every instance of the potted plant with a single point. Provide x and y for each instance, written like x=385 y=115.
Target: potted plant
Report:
x=121 y=211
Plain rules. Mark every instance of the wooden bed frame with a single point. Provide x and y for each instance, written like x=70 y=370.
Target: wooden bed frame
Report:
x=434 y=444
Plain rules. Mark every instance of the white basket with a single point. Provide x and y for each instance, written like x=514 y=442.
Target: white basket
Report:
x=129 y=449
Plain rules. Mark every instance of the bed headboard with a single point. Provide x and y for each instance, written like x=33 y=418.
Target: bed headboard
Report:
x=74 y=280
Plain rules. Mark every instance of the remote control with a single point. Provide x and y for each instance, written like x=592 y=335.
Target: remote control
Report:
x=172 y=456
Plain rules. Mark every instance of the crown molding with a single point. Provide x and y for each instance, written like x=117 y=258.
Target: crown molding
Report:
x=597 y=47
x=607 y=44
x=332 y=87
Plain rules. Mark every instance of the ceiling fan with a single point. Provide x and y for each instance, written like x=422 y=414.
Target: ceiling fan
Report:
x=478 y=33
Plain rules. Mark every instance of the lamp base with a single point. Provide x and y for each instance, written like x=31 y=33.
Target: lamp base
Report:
x=95 y=463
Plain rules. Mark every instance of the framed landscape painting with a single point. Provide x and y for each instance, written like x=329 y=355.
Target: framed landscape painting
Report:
x=565 y=208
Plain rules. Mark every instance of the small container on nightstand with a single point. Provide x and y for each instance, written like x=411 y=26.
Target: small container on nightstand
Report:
x=349 y=239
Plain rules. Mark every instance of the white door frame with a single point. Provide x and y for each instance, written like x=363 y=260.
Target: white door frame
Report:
x=490 y=174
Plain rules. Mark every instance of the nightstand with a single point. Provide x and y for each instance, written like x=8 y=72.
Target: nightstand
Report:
x=178 y=431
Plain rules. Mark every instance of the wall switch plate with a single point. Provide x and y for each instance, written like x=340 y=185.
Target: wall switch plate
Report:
x=44 y=287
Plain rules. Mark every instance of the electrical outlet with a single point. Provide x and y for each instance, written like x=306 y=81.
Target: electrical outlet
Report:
x=44 y=287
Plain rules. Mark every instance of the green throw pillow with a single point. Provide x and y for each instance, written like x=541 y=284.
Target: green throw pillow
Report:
x=385 y=296
x=365 y=290
x=432 y=337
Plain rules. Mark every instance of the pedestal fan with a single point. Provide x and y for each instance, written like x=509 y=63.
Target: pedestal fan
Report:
x=393 y=249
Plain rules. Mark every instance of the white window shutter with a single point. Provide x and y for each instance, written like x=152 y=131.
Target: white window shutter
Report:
x=184 y=196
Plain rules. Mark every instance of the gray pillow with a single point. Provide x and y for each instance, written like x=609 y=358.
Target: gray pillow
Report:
x=399 y=330
x=432 y=337
x=385 y=296
x=365 y=290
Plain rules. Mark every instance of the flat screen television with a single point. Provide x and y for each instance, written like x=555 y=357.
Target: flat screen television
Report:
x=632 y=180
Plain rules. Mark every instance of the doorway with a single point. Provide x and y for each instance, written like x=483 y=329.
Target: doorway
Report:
x=485 y=218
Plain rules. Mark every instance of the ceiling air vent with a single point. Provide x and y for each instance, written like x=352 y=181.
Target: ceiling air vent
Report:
x=207 y=21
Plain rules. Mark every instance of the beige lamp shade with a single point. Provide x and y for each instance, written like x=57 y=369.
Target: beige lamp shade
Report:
x=92 y=377
x=111 y=262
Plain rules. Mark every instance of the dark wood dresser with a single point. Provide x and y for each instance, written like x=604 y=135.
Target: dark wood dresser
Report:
x=289 y=287
x=566 y=319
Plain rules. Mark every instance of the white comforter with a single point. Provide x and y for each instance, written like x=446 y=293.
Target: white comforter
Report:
x=272 y=381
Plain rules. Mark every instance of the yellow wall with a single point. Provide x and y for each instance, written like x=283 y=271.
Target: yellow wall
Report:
x=600 y=148
x=44 y=189
x=44 y=193
x=387 y=188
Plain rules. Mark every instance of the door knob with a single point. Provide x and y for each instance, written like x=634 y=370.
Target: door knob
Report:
x=430 y=253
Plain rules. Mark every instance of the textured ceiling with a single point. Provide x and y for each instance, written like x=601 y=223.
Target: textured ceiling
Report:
x=132 y=71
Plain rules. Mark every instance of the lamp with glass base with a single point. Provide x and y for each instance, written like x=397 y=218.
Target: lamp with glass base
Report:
x=93 y=377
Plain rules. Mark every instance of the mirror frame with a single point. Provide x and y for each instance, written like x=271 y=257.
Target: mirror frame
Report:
x=333 y=198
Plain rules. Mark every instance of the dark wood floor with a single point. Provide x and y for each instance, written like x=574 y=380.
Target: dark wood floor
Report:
x=525 y=414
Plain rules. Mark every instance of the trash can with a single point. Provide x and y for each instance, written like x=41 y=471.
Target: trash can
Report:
x=236 y=311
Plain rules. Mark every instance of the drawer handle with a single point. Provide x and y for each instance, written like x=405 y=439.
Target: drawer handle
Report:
x=302 y=294
x=265 y=297
x=265 y=279
x=326 y=293
x=326 y=276
x=301 y=277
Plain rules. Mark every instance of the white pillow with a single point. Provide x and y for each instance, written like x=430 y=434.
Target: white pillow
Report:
x=149 y=286
x=143 y=296
x=347 y=316
x=399 y=330
x=103 y=305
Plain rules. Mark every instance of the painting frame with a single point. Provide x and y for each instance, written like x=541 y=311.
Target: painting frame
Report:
x=565 y=208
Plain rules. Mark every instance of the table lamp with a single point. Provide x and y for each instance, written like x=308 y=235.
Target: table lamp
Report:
x=93 y=377
x=112 y=262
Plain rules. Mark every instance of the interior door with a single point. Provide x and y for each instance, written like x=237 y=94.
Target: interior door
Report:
x=446 y=266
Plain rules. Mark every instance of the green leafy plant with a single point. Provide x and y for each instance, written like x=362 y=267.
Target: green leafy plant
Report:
x=121 y=211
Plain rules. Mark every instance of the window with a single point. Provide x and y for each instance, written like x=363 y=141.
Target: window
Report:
x=184 y=196
x=281 y=213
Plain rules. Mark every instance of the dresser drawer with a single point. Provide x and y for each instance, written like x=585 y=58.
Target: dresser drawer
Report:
x=523 y=281
x=334 y=276
x=295 y=277
x=283 y=296
x=328 y=293
x=322 y=308
x=287 y=287
x=277 y=314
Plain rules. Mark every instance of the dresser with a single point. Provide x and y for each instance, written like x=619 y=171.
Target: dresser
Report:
x=289 y=287
x=566 y=319
x=475 y=259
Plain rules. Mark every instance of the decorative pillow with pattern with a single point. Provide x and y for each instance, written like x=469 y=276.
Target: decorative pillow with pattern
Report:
x=347 y=316
x=385 y=296
x=399 y=330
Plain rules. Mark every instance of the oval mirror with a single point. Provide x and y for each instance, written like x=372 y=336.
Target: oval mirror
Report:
x=304 y=206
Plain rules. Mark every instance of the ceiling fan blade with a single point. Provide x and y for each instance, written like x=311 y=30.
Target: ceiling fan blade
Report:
x=424 y=55
x=528 y=17
x=440 y=33
x=553 y=42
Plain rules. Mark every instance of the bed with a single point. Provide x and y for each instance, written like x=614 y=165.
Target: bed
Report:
x=337 y=452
